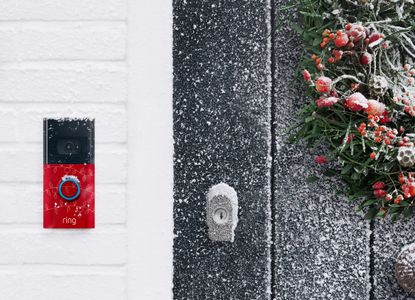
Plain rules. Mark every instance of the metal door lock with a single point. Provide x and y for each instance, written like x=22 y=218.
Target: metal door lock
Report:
x=405 y=268
x=222 y=212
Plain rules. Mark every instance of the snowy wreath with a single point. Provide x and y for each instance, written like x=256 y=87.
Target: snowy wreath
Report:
x=358 y=67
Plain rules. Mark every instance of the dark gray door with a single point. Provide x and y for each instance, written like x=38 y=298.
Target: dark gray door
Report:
x=233 y=104
x=222 y=134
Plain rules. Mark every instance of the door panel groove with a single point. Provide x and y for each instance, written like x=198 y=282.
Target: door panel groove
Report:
x=273 y=152
x=371 y=260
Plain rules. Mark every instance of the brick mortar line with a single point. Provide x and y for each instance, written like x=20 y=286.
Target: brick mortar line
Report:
x=69 y=21
x=65 y=22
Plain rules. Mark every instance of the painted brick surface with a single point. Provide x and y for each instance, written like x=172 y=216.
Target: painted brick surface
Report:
x=63 y=82
x=63 y=10
x=32 y=284
x=34 y=41
x=27 y=244
x=8 y=125
x=222 y=134
x=62 y=58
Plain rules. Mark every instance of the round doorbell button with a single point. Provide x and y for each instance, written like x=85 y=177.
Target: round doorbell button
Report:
x=69 y=188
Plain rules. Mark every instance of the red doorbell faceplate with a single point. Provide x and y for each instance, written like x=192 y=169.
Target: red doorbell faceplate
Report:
x=65 y=212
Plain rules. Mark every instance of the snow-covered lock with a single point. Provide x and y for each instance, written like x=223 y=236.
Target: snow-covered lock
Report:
x=222 y=212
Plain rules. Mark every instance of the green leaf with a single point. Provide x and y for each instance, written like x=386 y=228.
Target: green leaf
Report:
x=369 y=202
x=371 y=213
x=309 y=119
x=407 y=212
x=312 y=179
x=381 y=214
x=331 y=172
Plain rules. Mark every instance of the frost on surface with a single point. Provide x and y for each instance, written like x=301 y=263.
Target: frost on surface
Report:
x=221 y=134
x=322 y=246
x=70 y=177
x=389 y=239
x=222 y=212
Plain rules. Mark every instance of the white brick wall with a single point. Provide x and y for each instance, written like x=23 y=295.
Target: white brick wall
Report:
x=69 y=57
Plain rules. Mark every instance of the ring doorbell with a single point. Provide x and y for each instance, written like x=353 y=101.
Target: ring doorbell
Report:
x=68 y=173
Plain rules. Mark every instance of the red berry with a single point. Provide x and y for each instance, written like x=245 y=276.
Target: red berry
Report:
x=341 y=39
x=380 y=193
x=321 y=159
x=338 y=54
x=375 y=108
x=326 y=102
x=372 y=155
x=374 y=37
x=323 y=84
x=356 y=102
x=350 y=137
x=388 y=197
x=331 y=60
x=378 y=185
x=385 y=118
x=307 y=76
x=366 y=59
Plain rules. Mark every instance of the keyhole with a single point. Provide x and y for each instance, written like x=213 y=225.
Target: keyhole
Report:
x=220 y=216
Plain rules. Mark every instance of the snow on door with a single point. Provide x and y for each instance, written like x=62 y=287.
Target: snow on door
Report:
x=233 y=104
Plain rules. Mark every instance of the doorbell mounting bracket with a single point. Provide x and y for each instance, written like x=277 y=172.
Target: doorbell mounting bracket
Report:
x=68 y=173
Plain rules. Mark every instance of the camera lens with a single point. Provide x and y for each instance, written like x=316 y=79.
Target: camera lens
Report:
x=69 y=146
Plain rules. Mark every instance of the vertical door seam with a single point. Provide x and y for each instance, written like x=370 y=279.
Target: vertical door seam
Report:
x=273 y=151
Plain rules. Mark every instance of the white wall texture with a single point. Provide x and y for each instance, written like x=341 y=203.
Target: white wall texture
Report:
x=95 y=58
